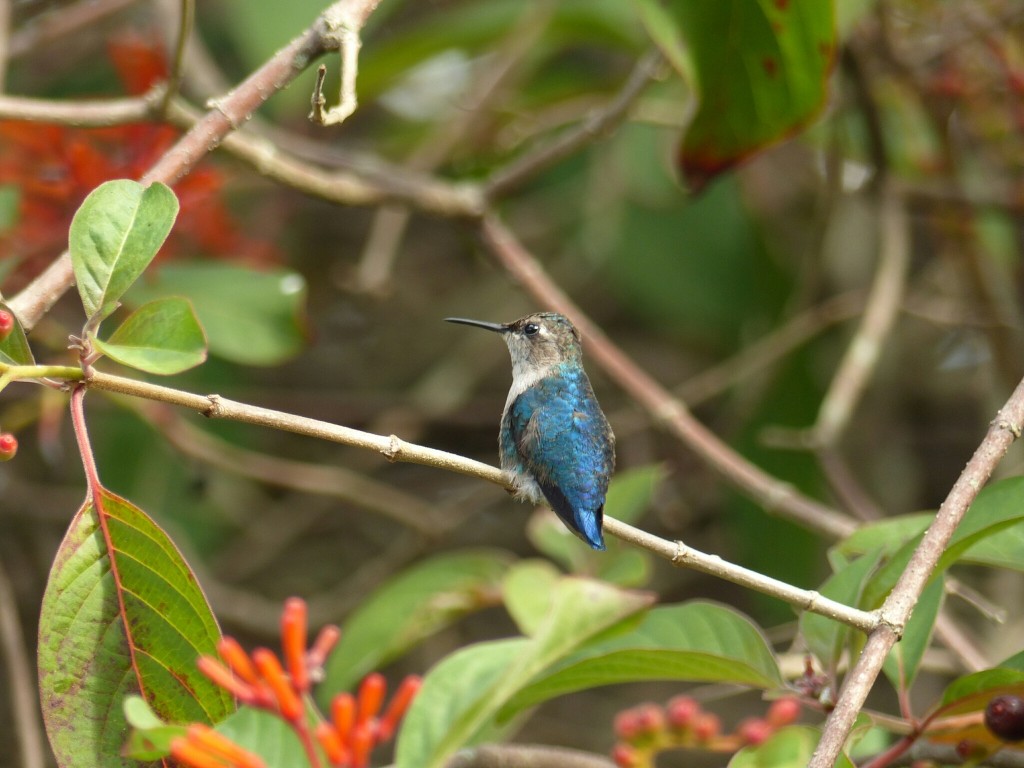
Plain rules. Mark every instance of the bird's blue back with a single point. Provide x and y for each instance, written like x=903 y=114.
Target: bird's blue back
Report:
x=555 y=432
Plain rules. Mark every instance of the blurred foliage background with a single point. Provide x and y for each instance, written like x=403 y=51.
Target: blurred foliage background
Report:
x=742 y=297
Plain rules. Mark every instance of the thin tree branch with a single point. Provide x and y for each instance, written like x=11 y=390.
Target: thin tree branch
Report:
x=895 y=611
x=84 y=113
x=526 y=756
x=395 y=449
x=24 y=701
x=530 y=164
x=226 y=115
x=186 y=18
x=666 y=410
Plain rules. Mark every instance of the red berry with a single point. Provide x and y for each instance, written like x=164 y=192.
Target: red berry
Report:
x=624 y=756
x=754 y=730
x=783 y=711
x=1004 y=716
x=681 y=711
x=8 y=446
x=627 y=726
x=706 y=726
x=6 y=324
x=651 y=719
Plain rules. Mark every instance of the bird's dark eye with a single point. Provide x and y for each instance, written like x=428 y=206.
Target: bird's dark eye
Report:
x=530 y=329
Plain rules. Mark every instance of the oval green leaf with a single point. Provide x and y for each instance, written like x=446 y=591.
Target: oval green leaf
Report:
x=414 y=605
x=14 y=350
x=114 y=236
x=162 y=337
x=698 y=641
x=250 y=317
x=580 y=610
x=787 y=748
x=762 y=70
x=122 y=614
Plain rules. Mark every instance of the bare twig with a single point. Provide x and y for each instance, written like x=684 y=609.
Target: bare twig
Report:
x=84 y=113
x=526 y=756
x=225 y=115
x=895 y=612
x=666 y=410
x=342 y=22
x=530 y=164
x=24 y=701
x=186 y=19
x=395 y=449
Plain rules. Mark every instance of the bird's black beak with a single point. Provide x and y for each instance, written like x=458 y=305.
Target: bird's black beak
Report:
x=496 y=327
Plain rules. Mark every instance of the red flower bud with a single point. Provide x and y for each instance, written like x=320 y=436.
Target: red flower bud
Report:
x=6 y=324
x=271 y=671
x=650 y=719
x=343 y=716
x=332 y=744
x=624 y=756
x=706 y=726
x=681 y=711
x=396 y=710
x=783 y=711
x=293 y=642
x=237 y=659
x=221 y=676
x=8 y=446
x=371 y=697
x=754 y=730
x=217 y=744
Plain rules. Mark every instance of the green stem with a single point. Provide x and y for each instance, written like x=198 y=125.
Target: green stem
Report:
x=10 y=373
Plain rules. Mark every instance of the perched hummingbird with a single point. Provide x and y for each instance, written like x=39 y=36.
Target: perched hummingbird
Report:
x=554 y=441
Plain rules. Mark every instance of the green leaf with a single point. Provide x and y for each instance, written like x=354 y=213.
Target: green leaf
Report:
x=825 y=637
x=902 y=663
x=162 y=337
x=447 y=689
x=122 y=614
x=762 y=70
x=996 y=508
x=115 y=234
x=698 y=641
x=885 y=536
x=790 y=747
x=250 y=317
x=414 y=605
x=150 y=737
x=1003 y=551
x=580 y=610
x=14 y=350
x=665 y=34
x=267 y=735
x=980 y=685
x=528 y=589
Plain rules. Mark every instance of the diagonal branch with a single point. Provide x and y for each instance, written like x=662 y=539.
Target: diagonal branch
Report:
x=896 y=610
x=225 y=115
x=395 y=449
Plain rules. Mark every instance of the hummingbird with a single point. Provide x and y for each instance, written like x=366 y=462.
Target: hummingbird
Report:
x=554 y=441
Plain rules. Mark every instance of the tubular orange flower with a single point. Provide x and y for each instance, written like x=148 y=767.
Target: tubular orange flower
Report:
x=221 y=675
x=322 y=647
x=217 y=744
x=362 y=744
x=237 y=659
x=270 y=669
x=332 y=745
x=343 y=715
x=398 y=706
x=193 y=755
x=293 y=642
x=371 y=697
